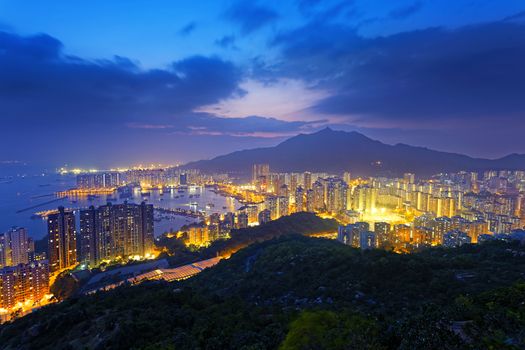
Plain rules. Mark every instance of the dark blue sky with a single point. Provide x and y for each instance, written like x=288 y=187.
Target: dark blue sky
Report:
x=99 y=83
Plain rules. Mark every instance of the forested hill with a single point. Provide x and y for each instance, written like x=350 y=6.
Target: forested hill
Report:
x=296 y=292
x=338 y=151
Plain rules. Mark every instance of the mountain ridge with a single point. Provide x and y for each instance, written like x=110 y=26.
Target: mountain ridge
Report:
x=336 y=151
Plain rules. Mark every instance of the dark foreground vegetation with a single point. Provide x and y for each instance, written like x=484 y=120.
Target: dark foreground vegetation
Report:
x=296 y=292
x=302 y=223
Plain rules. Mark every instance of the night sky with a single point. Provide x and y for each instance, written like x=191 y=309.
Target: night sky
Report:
x=110 y=83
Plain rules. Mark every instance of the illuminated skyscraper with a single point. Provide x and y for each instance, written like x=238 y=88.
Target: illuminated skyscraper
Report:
x=367 y=240
x=198 y=235
x=183 y=179
x=14 y=247
x=409 y=178
x=318 y=194
x=307 y=181
x=242 y=220
x=23 y=283
x=272 y=205
x=382 y=231
x=347 y=177
x=99 y=180
x=299 y=199
x=364 y=199
x=310 y=203
x=260 y=175
x=455 y=238
x=264 y=216
x=112 y=231
x=294 y=182
x=351 y=234
x=284 y=205
x=62 y=240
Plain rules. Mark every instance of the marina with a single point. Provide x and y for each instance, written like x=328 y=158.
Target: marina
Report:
x=175 y=207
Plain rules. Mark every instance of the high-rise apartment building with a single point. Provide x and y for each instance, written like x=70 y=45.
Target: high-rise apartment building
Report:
x=347 y=177
x=99 y=180
x=299 y=199
x=309 y=201
x=242 y=220
x=260 y=175
x=15 y=247
x=307 y=180
x=367 y=240
x=23 y=283
x=264 y=216
x=62 y=240
x=409 y=178
x=382 y=231
x=115 y=230
x=336 y=195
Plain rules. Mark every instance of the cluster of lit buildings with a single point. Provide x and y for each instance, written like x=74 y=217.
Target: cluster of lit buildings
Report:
x=401 y=213
x=115 y=231
x=216 y=226
x=408 y=212
x=145 y=178
x=24 y=276
x=107 y=233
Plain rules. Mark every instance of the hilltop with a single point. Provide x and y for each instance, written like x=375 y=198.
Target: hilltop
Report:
x=283 y=292
x=338 y=151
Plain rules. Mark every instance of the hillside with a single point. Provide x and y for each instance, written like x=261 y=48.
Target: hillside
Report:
x=338 y=151
x=296 y=290
x=302 y=223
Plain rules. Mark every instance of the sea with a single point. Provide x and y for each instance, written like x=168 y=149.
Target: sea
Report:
x=23 y=195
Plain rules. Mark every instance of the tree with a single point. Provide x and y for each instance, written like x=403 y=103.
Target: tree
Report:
x=314 y=330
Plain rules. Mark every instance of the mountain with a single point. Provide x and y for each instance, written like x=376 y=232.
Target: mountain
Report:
x=303 y=293
x=338 y=151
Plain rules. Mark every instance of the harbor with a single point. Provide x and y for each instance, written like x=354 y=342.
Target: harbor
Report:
x=175 y=206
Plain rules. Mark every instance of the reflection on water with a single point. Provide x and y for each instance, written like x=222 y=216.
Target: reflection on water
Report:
x=20 y=198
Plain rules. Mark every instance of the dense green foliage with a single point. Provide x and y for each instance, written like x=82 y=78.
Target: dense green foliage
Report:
x=65 y=286
x=329 y=330
x=303 y=223
x=296 y=292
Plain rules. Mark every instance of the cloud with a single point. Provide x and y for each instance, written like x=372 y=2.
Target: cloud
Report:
x=206 y=123
x=188 y=29
x=520 y=16
x=286 y=99
x=406 y=11
x=250 y=16
x=69 y=109
x=465 y=75
x=226 y=42
x=325 y=11
x=42 y=85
